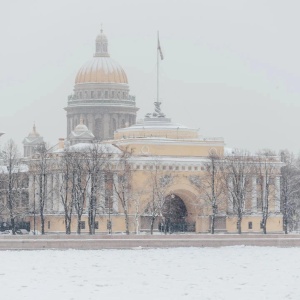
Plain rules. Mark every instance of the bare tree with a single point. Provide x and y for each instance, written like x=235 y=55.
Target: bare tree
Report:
x=159 y=182
x=80 y=182
x=97 y=159
x=66 y=186
x=13 y=179
x=290 y=190
x=123 y=187
x=41 y=168
x=137 y=202
x=266 y=167
x=212 y=186
x=237 y=168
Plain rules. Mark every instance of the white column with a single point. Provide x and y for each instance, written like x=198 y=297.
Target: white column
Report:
x=264 y=192
x=56 y=195
x=101 y=190
x=49 y=193
x=31 y=191
x=115 y=196
x=230 y=200
x=60 y=206
x=277 y=194
x=254 y=195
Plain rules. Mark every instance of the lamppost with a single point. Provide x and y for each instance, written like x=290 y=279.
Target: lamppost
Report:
x=34 y=225
x=109 y=223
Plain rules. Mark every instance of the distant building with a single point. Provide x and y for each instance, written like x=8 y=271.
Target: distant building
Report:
x=101 y=109
x=31 y=142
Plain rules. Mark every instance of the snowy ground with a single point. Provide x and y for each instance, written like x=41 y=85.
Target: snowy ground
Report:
x=178 y=273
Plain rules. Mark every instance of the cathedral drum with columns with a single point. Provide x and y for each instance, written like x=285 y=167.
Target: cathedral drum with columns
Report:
x=159 y=174
x=101 y=95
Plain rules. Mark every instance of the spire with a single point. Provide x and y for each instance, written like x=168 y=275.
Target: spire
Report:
x=34 y=133
x=34 y=128
x=101 y=44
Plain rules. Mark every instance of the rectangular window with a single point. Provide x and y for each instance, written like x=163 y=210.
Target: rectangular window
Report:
x=49 y=224
x=183 y=168
x=106 y=94
x=271 y=181
x=92 y=94
x=249 y=225
x=24 y=199
x=82 y=224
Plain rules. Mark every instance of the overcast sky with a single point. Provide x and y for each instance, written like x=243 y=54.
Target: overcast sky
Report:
x=231 y=67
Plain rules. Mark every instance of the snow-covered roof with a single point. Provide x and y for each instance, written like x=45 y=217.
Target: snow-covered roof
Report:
x=155 y=123
x=102 y=147
x=21 y=168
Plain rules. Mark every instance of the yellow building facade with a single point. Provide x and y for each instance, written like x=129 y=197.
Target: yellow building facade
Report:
x=159 y=150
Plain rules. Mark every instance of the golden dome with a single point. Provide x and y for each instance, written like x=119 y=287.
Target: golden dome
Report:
x=101 y=69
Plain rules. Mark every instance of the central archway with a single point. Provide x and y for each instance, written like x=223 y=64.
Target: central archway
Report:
x=174 y=214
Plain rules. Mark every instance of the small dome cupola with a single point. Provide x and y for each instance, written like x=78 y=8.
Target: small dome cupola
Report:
x=101 y=45
x=81 y=134
x=32 y=142
x=33 y=133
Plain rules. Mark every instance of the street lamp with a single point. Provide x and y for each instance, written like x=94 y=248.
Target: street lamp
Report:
x=109 y=223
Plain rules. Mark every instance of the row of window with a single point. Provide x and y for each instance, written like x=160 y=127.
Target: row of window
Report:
x=101 y=95
x=171 y=168
x=250 y=225
x=81 y=225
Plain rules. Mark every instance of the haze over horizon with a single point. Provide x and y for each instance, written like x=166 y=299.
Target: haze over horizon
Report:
x=230 y=68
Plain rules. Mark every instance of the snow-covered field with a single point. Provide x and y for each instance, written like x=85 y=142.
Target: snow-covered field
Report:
x=178 y=273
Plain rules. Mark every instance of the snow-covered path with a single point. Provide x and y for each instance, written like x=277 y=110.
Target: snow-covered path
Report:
x=177 y=273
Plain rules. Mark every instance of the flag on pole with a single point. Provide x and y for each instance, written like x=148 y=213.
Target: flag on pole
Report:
x=159 y=48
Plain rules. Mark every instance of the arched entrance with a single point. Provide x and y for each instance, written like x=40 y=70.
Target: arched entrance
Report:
x=174 y=216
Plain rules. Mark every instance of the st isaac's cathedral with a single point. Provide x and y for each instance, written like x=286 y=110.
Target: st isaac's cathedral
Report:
x=166 y=164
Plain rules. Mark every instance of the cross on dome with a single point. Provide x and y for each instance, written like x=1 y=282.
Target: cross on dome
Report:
x=101 y=44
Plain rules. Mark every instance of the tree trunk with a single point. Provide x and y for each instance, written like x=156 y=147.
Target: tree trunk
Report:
x=126 y=221
x=212 y=225
x=152 y=225
x=67 y=223
x=78 y=224
x=239 y=224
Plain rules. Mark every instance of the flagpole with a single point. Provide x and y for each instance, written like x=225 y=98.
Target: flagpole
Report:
x=157 y=67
